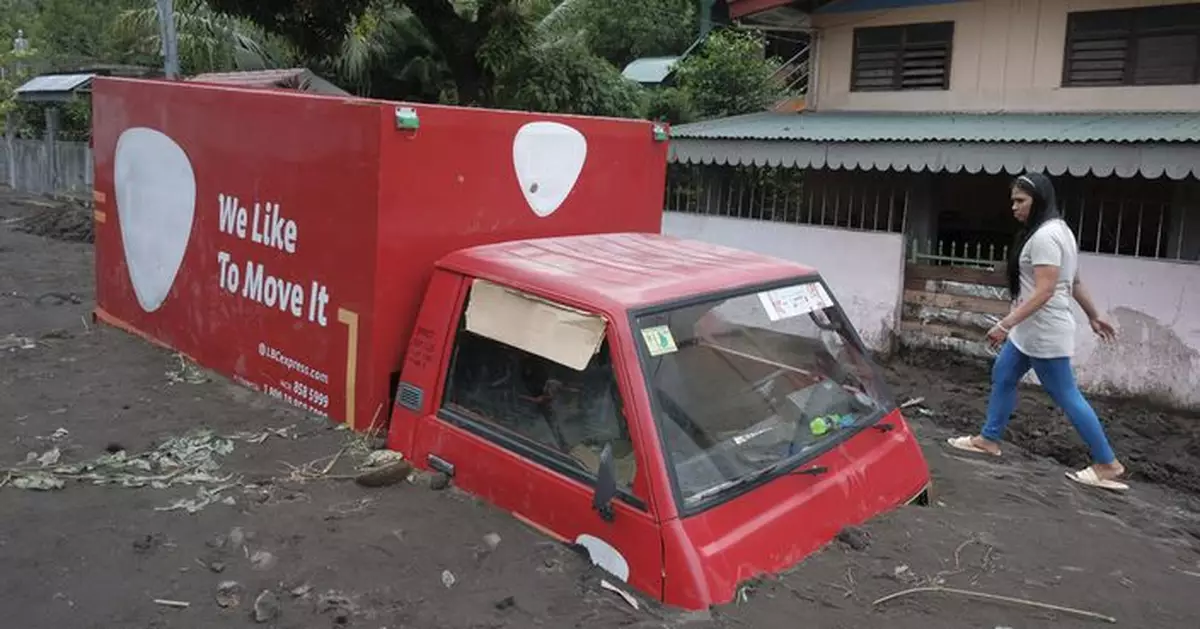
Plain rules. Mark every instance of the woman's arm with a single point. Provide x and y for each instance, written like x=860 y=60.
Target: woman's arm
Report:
x=1100 y=326
x=1045 y=277
x=1085 y=300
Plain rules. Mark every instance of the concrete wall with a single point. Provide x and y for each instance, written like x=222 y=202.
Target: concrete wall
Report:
x=25 y=165
x=864 y=269
x=1007 y=56
x=1156 y=308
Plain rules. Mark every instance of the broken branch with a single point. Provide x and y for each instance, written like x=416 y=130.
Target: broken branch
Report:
x=332 y=462
x=997 y=597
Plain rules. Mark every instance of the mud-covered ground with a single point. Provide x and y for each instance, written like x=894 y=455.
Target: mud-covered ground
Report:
x=278 y=513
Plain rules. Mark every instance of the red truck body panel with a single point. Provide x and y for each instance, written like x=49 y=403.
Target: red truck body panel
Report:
x=351 y=211
x=778 y=524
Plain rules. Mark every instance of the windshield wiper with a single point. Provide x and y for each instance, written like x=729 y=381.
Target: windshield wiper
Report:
x=746 y=479
x=815 y=470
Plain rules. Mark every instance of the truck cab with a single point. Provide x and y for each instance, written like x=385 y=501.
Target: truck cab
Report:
x=690 y=416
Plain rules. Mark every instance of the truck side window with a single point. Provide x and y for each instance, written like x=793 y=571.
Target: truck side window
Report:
x=563 y=416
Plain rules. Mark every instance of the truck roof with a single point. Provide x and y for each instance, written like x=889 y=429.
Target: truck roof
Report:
x=621 y=271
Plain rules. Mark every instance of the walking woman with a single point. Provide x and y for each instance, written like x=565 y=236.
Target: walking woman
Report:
x=1039 y=332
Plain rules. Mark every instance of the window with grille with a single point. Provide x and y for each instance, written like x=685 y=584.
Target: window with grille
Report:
x=1142 y=46
x=904 y=57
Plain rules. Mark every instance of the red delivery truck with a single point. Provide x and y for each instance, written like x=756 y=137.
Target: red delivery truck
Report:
x=491 y=289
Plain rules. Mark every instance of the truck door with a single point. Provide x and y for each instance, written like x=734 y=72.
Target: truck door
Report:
x=531 y=398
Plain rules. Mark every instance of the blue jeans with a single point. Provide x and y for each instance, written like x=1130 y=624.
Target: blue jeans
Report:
x=1058 y=380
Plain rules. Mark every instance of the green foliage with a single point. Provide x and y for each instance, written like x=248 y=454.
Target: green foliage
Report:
x=75 y=32
x=543 y=55
x=729 y=75
x=208 y=41
x=670 y=104
x=383 y=44
x=505 y=47
x=18 y=68
x=622 y=31
x=316 y=28
x=569 y=79
x=14 y=15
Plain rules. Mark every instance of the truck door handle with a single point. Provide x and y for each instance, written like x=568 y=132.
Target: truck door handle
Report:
x=438 y=464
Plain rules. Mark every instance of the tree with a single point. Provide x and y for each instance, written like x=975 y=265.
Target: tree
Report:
x=468 y=52
x=74 y=32
x=386 y=53
x=730 y=74
x=568 y=78
x=16 y=71
x=670 y=104
x=316 y=28
x=621 y=31
x=16 y=15
x=322 y=30
x=209 y=41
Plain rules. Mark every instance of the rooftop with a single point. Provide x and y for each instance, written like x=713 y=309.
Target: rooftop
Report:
x=1149 y=144
x=54 y=87
x=651 y=70
x=839 y=126
x=302 y=79
x=616 y=272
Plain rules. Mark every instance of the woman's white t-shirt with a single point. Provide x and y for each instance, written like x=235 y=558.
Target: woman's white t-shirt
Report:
x=1050 y=331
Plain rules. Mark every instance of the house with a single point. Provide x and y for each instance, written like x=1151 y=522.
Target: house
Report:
x=917 y=115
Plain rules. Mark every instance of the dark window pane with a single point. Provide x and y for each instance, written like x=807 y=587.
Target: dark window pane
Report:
x=569 y=414
x=937 y=32
x=1143 y=46
x=1183 y=16
x=883 y=36
x=1100 y=23
x=911 y=56
x=1166 y=60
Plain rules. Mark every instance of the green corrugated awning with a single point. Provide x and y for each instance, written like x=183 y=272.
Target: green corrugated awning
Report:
x=1126 y=144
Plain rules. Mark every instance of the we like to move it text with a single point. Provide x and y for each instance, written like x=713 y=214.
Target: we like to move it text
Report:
x=267 y=226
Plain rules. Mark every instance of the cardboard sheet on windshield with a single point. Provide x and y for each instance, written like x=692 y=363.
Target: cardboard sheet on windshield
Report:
x=567 y=336
x=793 y=301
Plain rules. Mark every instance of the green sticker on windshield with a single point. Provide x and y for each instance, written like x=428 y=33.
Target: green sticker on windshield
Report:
x=659 y=340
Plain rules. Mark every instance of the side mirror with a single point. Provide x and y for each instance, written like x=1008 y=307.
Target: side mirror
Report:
x=606 y=485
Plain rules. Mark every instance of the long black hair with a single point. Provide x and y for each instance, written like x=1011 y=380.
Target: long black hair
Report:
x=1043 y=208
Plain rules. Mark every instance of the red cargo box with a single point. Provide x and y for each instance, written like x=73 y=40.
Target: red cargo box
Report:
x=285 y=239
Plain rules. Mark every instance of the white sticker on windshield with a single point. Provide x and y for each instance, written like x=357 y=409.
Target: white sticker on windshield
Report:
x=793 y=301
x=659 y=340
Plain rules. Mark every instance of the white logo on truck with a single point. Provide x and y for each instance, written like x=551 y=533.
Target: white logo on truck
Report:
x=604 y=555
x=548 y=157
x=156 y=202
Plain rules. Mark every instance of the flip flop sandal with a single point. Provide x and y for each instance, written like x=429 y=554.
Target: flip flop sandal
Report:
x=1087 y=476
x=964 y=444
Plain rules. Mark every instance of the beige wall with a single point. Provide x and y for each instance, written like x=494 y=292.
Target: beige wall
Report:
x=864 y=269
x=1007 y=56
x=1155 y=306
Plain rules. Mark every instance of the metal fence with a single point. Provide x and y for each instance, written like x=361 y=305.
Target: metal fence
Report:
x=31 y=166
x=1138 y=227
x=846 y=199
x=958 y=254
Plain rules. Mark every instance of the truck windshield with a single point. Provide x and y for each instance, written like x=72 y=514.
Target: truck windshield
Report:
x=749 y=386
